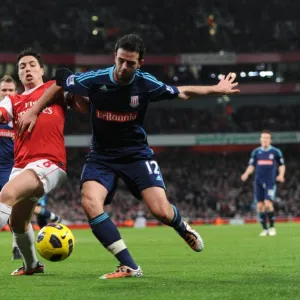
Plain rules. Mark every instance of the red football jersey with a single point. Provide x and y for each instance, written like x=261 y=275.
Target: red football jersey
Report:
x=46 y=141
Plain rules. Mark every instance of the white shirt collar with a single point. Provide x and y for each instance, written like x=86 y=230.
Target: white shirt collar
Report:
x=31 y=90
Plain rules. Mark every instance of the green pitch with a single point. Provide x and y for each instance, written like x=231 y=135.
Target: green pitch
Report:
x=235 y=264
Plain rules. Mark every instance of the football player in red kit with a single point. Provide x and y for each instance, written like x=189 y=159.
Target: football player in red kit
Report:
x=40 y=157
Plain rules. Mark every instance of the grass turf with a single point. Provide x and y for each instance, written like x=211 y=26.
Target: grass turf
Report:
x=235 y=264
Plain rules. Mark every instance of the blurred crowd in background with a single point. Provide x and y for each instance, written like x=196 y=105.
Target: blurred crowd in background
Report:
x=204 y=26
x=220 y=119
x=201 y=185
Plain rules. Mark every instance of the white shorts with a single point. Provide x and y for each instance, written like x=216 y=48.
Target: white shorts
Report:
x=49 y=173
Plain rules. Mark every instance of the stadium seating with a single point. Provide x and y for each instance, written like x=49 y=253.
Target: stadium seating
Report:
x=201 y=185
x=163 y=29
x=194 y=120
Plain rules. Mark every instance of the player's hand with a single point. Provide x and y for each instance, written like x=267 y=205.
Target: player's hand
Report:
x=226 y=86
x=26 y=121
x=244 y=177
x=280 y=178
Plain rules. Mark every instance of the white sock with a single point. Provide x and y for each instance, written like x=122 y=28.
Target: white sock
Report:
x=14 y=244
x=25 y=242
x=5 y=212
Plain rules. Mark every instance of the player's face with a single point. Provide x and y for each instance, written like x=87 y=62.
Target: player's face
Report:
x=7 y=89
x=126 y=64
x=30 y=71
x=265 y=140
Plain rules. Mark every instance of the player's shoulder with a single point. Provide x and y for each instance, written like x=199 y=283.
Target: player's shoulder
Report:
x=94 y=74
x=38 y=91
x=48 y=83
x=149 y=80
x=256 y=150
x=276 y=150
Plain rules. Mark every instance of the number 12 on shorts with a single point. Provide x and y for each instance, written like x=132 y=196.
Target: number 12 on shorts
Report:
x=152 y=167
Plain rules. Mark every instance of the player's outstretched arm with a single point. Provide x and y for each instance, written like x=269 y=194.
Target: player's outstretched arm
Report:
x=46 y=98
x=226 y=86
x=250 y=169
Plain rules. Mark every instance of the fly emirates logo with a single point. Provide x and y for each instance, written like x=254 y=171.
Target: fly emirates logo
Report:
x=28 y=105
x=115 y=116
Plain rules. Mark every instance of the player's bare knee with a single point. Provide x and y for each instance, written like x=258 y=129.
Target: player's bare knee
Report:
x=8 y=197
x=269 y=205
x=260 y=207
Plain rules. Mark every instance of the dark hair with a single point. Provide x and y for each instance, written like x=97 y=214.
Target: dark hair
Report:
x=8 y=79
x=132 y=43
x=30 y=52
x=266 y=131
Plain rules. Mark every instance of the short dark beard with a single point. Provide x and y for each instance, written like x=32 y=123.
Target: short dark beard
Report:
x=120 y=80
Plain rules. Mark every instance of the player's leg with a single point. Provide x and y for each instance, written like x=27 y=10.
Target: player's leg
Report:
x=43 y=214
x=262 y=217
x=16 y=255
x=156 y=200
x=271 y=216
x=104 y=229
x=39 y=211
x=269 y=207
x=24 y=184
x=24 y=235
x=4 y=177
x=145 y=181
x=14 y=203
x=94 y=195
x=260 y=206
x=41 y=220
x=29 y=183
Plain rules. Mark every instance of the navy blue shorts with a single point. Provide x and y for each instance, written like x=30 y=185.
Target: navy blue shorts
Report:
x=264 y=191
x=138 y=175
x=4 y=176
